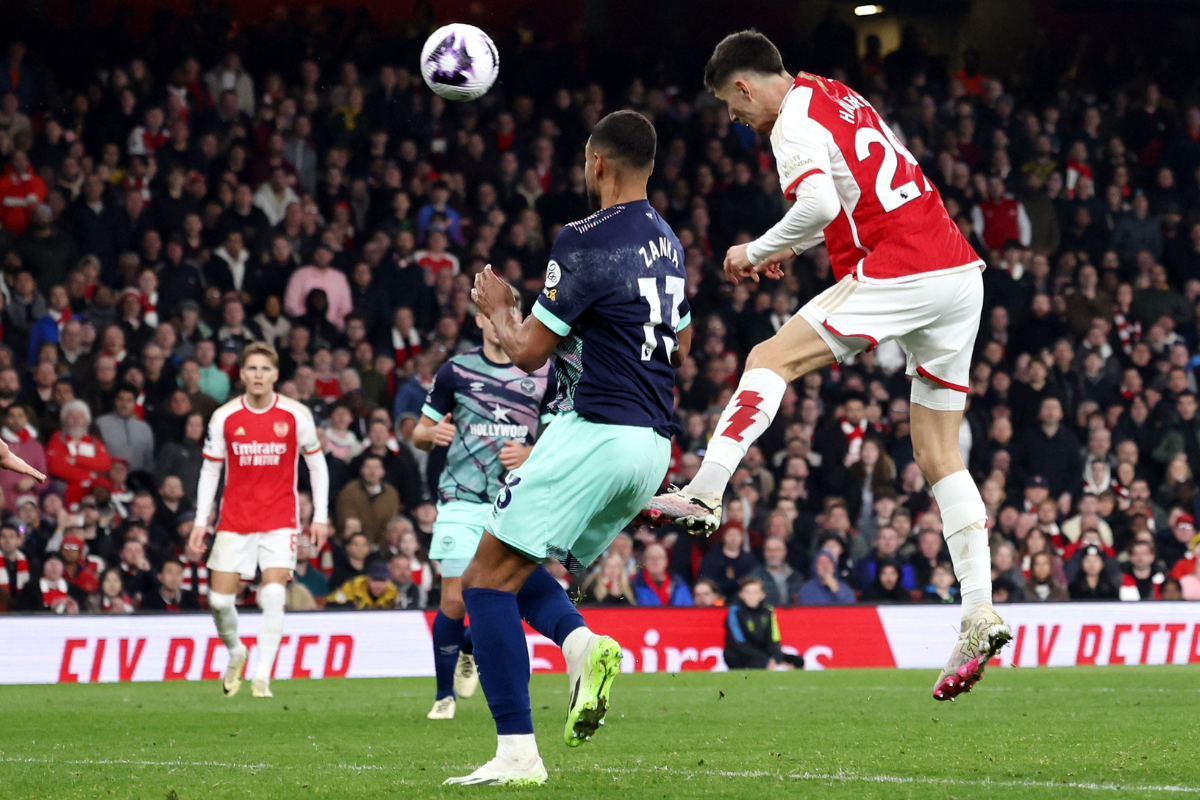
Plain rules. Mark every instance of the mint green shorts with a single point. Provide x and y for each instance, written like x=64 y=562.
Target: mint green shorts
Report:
x=456 y=535
x=583 y=483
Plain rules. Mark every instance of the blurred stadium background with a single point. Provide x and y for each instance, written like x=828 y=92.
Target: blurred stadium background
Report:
x=173 y=170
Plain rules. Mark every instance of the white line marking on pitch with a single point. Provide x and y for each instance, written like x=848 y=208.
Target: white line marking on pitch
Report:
x=835 y=777
x=844 y=777
x=138 y=763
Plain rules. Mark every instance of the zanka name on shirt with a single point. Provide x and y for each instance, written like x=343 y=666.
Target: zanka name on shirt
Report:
x=660 y=249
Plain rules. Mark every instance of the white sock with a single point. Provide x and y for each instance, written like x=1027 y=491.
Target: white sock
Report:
x=271 y=599
x=224 y=611
x=964 y=524
x=576 y=644
x=747 y=417
x=518 y=748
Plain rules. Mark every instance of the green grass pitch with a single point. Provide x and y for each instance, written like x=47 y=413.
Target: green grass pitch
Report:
x=1108 y=732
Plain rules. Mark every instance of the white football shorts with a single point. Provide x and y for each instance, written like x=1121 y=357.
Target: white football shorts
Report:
x=934 y=319
x=244 y=552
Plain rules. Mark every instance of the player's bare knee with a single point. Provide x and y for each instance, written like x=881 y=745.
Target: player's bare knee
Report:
x=936 y=463
x=471 y=576
x=766 y=355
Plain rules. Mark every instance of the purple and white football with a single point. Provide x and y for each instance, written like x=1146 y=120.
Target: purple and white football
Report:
x=459 y=62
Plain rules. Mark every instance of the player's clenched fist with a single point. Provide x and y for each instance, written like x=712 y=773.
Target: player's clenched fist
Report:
x=513 y=454
x=491 y=294
x=195 y=542
x=319 y=532
x=444 y=432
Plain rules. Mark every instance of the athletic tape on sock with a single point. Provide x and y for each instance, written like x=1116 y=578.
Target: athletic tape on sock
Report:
x=960 y=502
x=746 y=417
x=964 y=521
x=224 y=610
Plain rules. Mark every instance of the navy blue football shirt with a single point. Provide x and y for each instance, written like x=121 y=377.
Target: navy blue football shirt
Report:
x=615 y=290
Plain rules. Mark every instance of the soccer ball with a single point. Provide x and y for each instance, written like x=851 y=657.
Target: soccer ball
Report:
x=459 y=62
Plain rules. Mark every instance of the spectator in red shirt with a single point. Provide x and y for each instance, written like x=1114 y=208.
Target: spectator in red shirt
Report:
x=21 y=190
x=435 y=258
x=77 y=570
x=74 y=456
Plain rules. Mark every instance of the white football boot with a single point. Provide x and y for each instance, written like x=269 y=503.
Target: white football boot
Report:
x=232 y=681
x=442 y=709
x=466 y=676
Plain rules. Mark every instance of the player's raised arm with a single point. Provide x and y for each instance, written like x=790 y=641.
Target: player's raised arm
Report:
x=529 y=343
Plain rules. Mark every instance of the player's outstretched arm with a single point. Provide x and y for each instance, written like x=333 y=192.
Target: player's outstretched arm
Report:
x=816 y=206
x=13 y=462
x=528 y=343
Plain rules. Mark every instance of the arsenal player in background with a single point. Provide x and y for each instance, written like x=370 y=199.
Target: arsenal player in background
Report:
x=258 y=438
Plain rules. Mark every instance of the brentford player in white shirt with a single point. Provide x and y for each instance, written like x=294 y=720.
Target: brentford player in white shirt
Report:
x=258 y=439
x=903 y=271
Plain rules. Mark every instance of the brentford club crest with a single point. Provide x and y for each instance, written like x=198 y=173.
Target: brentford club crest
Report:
x=281 y=429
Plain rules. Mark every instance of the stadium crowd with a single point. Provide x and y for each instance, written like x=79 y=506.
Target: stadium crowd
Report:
x=161 y=211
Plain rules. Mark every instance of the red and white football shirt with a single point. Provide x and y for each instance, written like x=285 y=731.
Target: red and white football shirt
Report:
x=893 y=225
x=261 y=451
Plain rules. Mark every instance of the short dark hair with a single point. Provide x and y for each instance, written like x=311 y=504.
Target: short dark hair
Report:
x=1146 y=542
x=742 y=51
x=627 y=136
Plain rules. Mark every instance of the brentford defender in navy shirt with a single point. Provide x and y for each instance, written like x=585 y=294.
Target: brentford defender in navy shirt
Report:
x=614 y=312
x=615 y=293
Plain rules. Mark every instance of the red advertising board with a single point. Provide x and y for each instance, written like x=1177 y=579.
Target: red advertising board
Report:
x=379 y=644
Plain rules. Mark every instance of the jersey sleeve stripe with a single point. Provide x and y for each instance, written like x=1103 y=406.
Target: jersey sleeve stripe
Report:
x=684 y=321
x=547 y=318
x=211 y=458
x=924 y=373
x=790 y=194
x=432 y=412
x=316 y=449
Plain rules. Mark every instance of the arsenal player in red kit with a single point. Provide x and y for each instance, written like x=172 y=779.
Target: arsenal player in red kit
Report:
x=258 y=439
x=904 y=272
